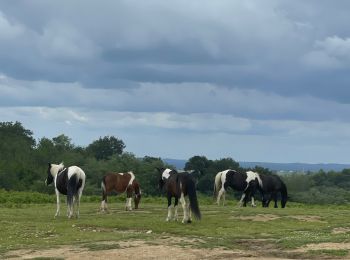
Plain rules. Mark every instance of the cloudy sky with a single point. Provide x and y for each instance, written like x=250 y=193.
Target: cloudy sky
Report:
x=252 y=80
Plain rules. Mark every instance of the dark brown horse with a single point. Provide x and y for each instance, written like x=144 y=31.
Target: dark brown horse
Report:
x=120 y=183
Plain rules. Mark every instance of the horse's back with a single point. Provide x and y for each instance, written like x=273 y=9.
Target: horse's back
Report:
x=236 y=180
x=76 y=170
x=118 y=181
x=272 y=183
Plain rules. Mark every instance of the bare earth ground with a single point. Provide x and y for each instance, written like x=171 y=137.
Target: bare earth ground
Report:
x=171 y=247
x=162 y=250
x=135 y=250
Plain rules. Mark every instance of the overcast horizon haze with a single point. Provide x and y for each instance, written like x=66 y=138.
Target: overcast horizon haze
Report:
x=261 y=81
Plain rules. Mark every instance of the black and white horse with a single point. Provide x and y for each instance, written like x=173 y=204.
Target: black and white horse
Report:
x=248 y=182
x=271 y=186
x=180 y=185
x=68 y=181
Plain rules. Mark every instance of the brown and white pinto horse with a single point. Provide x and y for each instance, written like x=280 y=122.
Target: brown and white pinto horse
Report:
x=120 y=183
x=180 y=185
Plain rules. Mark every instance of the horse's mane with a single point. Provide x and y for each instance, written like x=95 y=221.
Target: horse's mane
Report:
x=55 y=168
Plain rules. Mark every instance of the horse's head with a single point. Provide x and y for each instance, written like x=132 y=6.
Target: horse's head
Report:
x=137 y=200
x=137 y=197
x=52 y=171
x=160 y=179
x=49 y=178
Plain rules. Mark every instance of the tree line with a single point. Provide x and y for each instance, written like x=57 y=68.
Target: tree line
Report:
x=24 y=162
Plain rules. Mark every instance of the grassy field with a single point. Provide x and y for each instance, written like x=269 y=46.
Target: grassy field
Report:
x=298 y=231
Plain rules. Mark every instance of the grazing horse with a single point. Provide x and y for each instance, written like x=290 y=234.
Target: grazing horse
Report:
x=180 y=185
x=272 y=185
x=68 y=181
x=247 y=182
x=121 y=182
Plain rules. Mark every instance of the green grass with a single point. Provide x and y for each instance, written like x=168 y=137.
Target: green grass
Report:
x=32 y=226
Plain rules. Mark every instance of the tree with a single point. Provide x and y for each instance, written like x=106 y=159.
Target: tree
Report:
x=198 y=163
x=16 y=160
x=226 y=163
x=63 y=142
x=105 y=147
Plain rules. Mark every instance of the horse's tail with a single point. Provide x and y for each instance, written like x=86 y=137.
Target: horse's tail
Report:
x=284 y=195
x=192 y=196
x=73 y=186
x=103 y=188
x=217 y=184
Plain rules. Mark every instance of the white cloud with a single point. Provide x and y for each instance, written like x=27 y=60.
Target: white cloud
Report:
x=330 y=53
x=180 y=72
x=184 y=135
x=184 y=98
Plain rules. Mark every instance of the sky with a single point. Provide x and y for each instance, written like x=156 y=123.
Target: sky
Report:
x=252 y=80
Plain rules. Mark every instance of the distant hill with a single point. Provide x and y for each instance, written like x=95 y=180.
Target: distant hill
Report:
x=179 y=164
x=286 y=167
x=300 y=167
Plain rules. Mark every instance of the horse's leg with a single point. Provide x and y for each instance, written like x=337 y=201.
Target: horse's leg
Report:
x=223 y=198
x=268 y=201
x=184 y=207
x=128 y=204
x=175 y=208
x=221 y=192
x=71 y=207
x=78 y=202
x=253 y=202
x=189 y=220
x=104 y=201
x=128 y=198
x=252 y=194
x=103 y=205
x=246 y=198
x=58 y=203
x=240 y=203
x=67 y=206
x=275 y=199
x=169 y=208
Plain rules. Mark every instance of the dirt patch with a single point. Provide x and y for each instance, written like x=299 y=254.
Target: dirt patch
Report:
x=341 y=230
x=134 y=250
x=258 y=217
x=307 y=218
x=324 y=246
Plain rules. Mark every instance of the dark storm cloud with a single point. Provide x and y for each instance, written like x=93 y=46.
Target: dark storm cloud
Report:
x=283 y=47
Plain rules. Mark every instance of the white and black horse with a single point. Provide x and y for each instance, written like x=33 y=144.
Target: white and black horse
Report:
x=271 y=186
x=248 y=182
x=179 y=185
x=68 y=181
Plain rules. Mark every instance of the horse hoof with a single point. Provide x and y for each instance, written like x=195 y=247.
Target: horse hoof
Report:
x=189 y=221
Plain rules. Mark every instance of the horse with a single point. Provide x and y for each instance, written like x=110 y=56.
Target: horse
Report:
x=121 y=182
x=180 y=185
x=68 y=181
x=240 y=181
x=271 y=186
